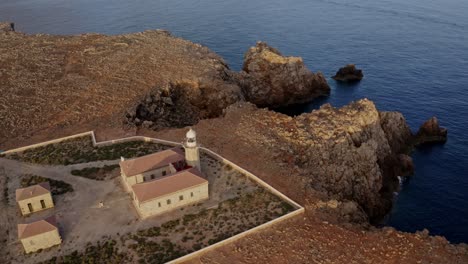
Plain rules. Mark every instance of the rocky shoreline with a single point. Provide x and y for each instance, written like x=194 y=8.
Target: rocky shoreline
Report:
x=342 y=164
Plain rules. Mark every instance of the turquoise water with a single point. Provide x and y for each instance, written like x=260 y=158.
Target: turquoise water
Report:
x=414 y=54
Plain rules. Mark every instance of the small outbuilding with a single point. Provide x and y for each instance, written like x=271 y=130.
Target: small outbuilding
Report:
x=167 y=193
x=151 y=166
x=39 y=235
x=34 y=198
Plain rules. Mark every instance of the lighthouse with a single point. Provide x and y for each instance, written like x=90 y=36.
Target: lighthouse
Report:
x=192 y=154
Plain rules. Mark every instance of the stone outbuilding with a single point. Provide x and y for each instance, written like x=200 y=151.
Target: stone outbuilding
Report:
x=34 y=198
x=151 y=166
x=170 y=192
x=38 y=235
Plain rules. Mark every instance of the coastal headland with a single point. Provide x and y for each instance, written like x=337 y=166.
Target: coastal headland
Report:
x=341 y=164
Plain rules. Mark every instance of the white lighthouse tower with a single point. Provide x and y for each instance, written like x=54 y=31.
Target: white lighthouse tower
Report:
x=192 y=154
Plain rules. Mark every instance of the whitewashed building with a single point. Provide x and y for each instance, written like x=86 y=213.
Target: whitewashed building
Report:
x=151 y=166
x=165 y=180
x=170 y=192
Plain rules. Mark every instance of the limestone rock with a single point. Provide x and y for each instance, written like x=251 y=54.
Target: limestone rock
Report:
x=349 y=153
x=348 y=73
x=431 y=132
x=406 y=165
x=183 y=103
x=7 y=27
x=270 y=79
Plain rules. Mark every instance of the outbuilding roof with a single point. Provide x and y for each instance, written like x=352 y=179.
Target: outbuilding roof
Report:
x=32 y=191
x=169 y=184
x=36 y=228
x=151 y=162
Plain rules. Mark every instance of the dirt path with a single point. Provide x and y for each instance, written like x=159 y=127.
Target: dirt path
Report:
x=79 y=214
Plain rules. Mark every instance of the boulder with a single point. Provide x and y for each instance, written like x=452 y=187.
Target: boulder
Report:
x=348 y=73
x=406 y=167
x=7 y=27
x=431 y=132
x=270 y=79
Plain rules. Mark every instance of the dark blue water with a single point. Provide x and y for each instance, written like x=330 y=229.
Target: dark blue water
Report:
x=414 y=54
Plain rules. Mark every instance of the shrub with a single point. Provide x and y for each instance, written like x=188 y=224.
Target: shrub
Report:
x=57 y=187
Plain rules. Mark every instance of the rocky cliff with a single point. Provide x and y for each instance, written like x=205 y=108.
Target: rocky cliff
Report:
x=341 y=164
x=270 y=79
x=142 y=80
x=349 y=153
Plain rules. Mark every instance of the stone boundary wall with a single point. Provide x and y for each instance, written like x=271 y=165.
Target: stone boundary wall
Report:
x=232 y=239
x=299 y=209
x=95 y=143
x=21 y=149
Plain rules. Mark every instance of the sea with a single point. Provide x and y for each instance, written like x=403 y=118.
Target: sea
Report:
x=414 y=54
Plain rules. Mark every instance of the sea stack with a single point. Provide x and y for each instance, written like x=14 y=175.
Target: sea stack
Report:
x=431 y=132
x=270 y=79
x=348 y=73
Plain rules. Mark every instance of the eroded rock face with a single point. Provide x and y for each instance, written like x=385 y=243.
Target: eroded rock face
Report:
x=348 y=73
x=349 y=153
x=431 y=132
x=183 y=103
x=270 y=79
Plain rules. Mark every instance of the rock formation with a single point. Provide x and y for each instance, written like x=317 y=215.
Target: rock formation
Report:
x=7 y=27
x=348 y=73
x=271 y=80
x=431 y=132
x=183 y=103
x=349 y=153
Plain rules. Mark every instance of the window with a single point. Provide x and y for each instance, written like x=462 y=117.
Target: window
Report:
x=152 y=176
x=164 y=173
x=159 y=204
x=30 y=207
x=181 y=198
x=43 y=204
x=191 y=194
x=168 y=201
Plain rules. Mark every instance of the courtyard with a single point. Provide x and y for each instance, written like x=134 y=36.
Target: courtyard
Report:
x=96 y=215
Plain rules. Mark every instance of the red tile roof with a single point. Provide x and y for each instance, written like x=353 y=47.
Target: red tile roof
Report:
x=151 y=162
x=36 y=228
x=32 y=191
x=175 y=182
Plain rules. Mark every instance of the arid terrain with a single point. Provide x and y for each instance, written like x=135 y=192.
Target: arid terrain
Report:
x=85 y=204
x=340 y=164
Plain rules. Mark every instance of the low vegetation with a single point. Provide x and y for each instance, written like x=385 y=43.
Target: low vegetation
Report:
x=81 y=150
x=102 y=252
x=96 y=173
x=57 y=187
x=178 y=237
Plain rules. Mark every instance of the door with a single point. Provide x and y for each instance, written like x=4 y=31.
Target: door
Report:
x=43 y=204
x=30 y=207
